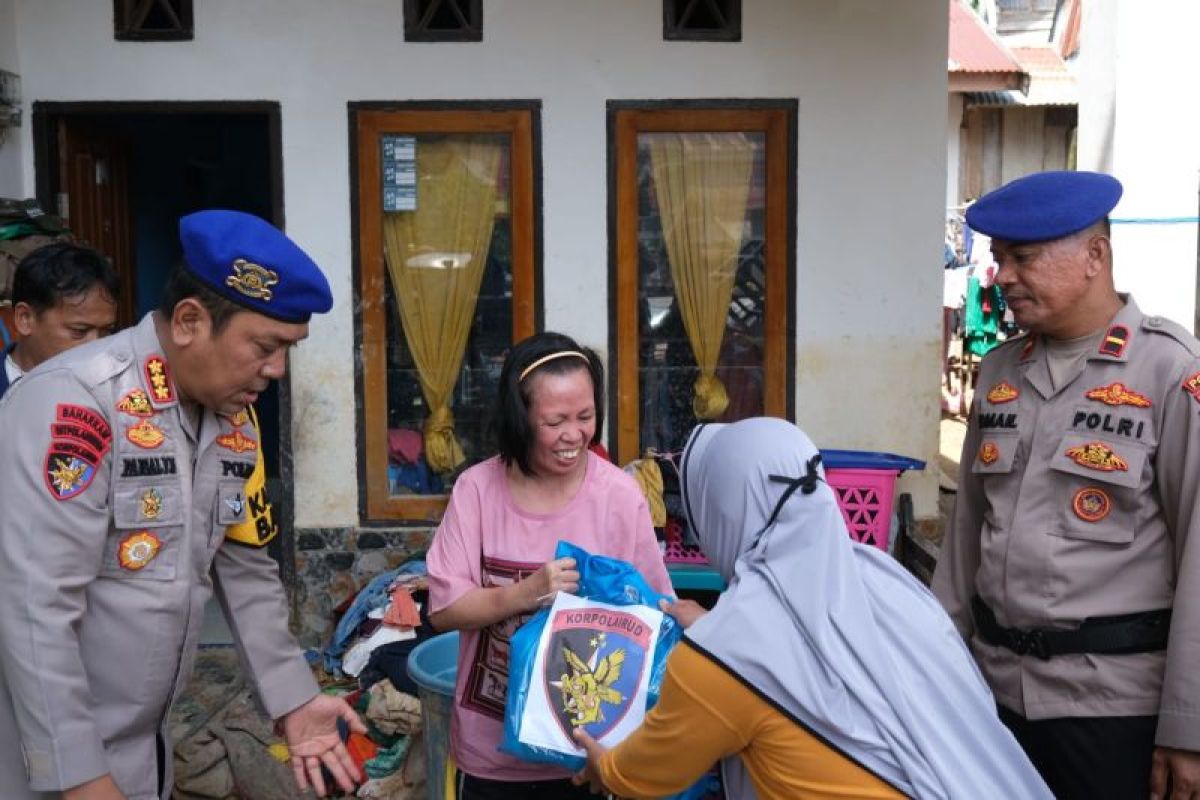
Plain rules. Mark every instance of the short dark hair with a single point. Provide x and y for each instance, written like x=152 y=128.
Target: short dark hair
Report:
x=182 y=284
x=62 y=270
x=514 y=434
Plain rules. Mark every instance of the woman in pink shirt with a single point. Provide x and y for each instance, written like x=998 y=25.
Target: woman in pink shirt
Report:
x=491 y=564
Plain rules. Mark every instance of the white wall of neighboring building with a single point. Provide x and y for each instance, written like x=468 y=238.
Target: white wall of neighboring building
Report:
x=871 y=82
x=11 y=144
x=954 y=120
x=1139 y=120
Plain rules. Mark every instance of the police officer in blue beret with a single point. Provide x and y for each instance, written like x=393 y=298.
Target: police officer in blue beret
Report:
x=1069 y=563
x=133 y=461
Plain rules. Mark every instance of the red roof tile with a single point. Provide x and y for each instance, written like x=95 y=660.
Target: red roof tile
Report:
x=974 y=47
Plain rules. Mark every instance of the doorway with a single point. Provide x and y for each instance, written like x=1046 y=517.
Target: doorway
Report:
x=121 y=174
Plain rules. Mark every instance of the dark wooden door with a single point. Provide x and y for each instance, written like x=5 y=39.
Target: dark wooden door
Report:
x=93 y=196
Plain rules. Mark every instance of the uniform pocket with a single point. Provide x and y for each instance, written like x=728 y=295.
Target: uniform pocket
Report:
x=231 y=503
x=147 y=505
x=996 y=454
x=1099 y=480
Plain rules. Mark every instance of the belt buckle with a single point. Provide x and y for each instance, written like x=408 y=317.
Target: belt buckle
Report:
x=1031 y=643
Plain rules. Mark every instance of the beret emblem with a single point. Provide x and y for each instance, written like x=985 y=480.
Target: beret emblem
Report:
x=252 y=279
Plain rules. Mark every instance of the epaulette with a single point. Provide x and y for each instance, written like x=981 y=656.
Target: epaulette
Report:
x=1019 y=340
x=1175 y=331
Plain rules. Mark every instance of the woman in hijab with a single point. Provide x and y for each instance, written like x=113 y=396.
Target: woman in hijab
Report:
x=824 y=670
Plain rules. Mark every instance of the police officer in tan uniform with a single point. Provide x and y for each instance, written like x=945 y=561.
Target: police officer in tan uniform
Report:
x=1071 y=563
x=127 y=480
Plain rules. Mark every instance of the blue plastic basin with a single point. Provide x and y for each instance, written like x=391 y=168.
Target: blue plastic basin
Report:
x=433 y=665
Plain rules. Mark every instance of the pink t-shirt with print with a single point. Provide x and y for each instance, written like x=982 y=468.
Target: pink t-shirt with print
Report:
x=485 y=540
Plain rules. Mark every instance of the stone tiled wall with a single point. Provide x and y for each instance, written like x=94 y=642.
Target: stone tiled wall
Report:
x=333 y=564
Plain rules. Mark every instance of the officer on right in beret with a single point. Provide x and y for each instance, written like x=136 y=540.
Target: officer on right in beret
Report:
x=1072 y=561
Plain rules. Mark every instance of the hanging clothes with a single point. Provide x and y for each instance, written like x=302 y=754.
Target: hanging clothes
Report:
x=983 y=311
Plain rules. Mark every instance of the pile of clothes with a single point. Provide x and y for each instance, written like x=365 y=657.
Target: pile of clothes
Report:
x=380 y=627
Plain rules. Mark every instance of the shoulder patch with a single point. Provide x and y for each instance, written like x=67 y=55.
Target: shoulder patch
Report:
x=1174 y=330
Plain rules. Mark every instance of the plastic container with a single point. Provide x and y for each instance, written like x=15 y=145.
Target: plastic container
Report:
x=433 y=665
x=865 y=484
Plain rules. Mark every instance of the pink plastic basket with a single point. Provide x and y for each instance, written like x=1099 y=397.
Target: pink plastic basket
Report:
x=865 y=497
x=679 y=553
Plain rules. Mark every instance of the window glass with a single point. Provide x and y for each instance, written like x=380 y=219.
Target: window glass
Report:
x=449 y=305
x=701 y=230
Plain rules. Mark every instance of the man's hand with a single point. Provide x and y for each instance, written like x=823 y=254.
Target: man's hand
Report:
x=590 y=774
x=102 y=788
x=1178 y=769
x=312 y=737
x=686 y=611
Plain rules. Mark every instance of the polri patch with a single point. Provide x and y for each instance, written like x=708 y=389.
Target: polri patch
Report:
x=1003 y=392
x=79 y=433
x=1091 y=504
x=237 y=442
x=146 y=435
x=67 y=473
x=1097 y=456
x=152 y=503
x=1116 y=394
x=239 y=418
x=989 y=453
x=137 y=550
x=136 y=403
x=82 y=415
x=158 y=377
x=1191 y=385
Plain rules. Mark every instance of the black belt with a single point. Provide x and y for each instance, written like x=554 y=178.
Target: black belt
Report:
x=1143 y=632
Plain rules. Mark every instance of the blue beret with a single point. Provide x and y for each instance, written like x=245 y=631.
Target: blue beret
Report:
x=1045 y=206
x=252 y=263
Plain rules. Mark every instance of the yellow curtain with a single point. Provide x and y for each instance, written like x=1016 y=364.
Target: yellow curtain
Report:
x=435 y=256
x=701 y=183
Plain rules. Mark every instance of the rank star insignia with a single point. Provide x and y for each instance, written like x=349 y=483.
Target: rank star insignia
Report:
x=1115 y=394
x=151 y=503
x=159 y=378
x=252 y=279
x=237 y=442
x=1098 y=456
x=146 y=435
x=136 y=404
x=1002 y=392
x=989 y=453
x=138 y=550
x=1091 y=504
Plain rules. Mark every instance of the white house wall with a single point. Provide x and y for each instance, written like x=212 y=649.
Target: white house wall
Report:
x=871 y=82
x=1139 y=120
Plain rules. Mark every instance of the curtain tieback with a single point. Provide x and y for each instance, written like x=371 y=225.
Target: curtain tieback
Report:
x=710 y=400
x=649 y=478
x=442 y=451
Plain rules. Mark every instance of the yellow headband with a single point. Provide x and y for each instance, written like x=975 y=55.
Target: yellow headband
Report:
x=561 y=354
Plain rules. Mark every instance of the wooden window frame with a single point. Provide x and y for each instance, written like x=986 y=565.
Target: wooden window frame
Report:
x=472 y=31
x=672 y=32
x=368 y=121
x=126 y=30
x=777 y=120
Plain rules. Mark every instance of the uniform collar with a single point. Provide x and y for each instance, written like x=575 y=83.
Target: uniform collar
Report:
x=155 y=373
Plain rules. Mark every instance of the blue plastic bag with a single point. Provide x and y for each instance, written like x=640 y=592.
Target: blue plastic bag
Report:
x=608 y=580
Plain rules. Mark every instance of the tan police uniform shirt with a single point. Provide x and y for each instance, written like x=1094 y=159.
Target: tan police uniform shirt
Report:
x=113 y=514
x=1080 y=502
